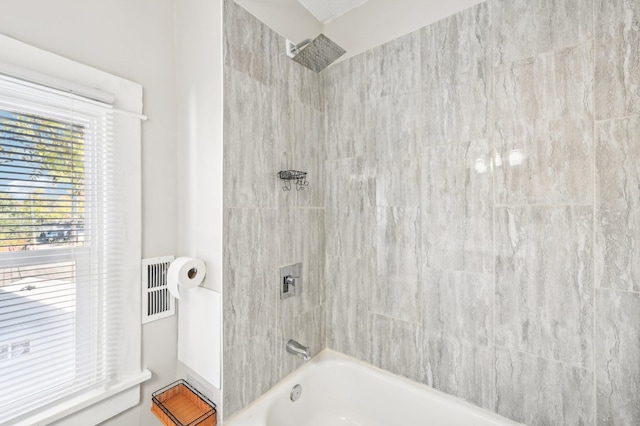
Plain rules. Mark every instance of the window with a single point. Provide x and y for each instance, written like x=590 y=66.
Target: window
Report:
x=66 y=239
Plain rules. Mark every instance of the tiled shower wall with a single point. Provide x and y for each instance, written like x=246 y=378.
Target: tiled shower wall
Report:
x=481 y=214
x=483 y=208
x=273 y=120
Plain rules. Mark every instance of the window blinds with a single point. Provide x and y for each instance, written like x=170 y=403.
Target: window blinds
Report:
x=59 y=210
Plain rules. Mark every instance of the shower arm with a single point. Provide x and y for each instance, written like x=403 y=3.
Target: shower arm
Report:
x=294 y=49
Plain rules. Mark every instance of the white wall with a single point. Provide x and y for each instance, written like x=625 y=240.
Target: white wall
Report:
x=132 y=39
x=379 y=21
x=199 y=112
x=286 y=17
x=198 y=39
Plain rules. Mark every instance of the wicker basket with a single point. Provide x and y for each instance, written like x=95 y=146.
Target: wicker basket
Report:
x=180 y=404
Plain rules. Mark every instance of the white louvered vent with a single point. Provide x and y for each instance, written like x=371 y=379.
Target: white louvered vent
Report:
x=157 y=302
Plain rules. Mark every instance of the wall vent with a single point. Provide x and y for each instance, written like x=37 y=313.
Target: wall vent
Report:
x=157 y=302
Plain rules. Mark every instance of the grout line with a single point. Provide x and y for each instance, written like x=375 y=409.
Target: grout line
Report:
x=494 y=360
x=453 y=142
x=594 y=203
x=544 y=205
x=418 y=323
x=460 y=271
x=304 y=208
x=557 y=361
x=609 y=120
x=252 y=208
x=618 y=290
x=505 y=67
x=423 y=341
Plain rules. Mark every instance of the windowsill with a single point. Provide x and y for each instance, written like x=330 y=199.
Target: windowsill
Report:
x=85 y=409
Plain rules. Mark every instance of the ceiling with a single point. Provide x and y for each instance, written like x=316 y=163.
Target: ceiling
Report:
x=326 y=10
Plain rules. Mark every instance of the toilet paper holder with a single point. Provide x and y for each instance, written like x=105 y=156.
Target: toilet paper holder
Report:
x=185 y=273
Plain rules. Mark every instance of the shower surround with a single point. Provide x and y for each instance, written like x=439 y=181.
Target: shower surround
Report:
x=479 y=210
x=273 y=120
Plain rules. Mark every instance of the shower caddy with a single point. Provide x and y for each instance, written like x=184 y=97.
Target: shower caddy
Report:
x=298 y=177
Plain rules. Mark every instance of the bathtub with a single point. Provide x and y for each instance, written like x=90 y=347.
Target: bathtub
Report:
x=340 y=391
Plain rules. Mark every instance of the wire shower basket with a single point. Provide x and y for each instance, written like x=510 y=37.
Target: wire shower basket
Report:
x=297 y=177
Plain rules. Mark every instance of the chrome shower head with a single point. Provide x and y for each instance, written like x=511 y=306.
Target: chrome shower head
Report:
x=315 y=55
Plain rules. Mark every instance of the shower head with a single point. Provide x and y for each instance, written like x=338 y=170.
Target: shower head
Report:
x=315 y=55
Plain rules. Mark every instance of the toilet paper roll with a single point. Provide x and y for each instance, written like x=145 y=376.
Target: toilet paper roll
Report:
x=185 y=272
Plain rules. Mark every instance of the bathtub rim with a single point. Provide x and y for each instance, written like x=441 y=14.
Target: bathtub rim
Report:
x=329 y=355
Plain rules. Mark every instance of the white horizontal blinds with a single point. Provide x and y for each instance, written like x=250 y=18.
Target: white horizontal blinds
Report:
x=58 y=210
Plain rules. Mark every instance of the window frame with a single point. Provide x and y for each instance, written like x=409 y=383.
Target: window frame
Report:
x=21 y=60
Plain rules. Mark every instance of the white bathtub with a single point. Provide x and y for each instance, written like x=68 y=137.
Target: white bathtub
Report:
x=340 y=391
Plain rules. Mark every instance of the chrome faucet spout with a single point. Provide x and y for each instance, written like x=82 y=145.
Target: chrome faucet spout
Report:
x=296 y=348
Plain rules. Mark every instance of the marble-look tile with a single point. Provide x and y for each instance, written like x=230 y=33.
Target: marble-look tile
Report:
x=345 y=86
x=309 y=153
x=288 y=240
x=312 y=229
x=303 y=85
x=394 y=67
x=308 y=87
x=299 y=134
x=459 y=304
x=250 y=46
x=394 y=126
x=395 y=346
x=544 y=282
x=457 y=216
x=397 y=292
x=284 y=109
x=249 y=371
x=249 y=274
x=350 y=207
x=456 y=75
x=526 y=28
x=457 y=45
x=273 y=121
x=301 y=235
x=544 y=129
x=249 y=155
x=540 y=392
x=459 y=369
x=457 y=112
x=617 y=62
x=617 y=365
x=309 y=329
x=618 y=204
x=349 y=281
x=314 y=288
x=297 y=82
